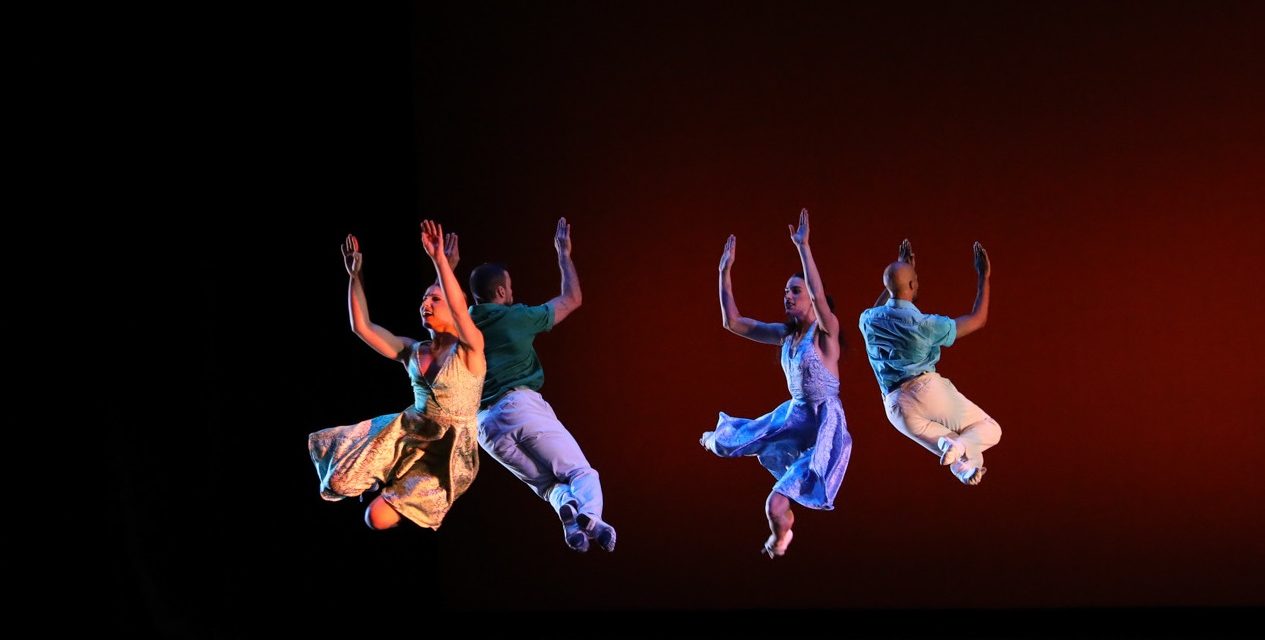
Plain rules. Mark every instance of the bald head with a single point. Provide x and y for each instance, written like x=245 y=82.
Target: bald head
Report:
x=901 y=280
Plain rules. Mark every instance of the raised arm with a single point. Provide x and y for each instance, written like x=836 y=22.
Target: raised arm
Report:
x=468 y=334
x=904 y=254
x=825 y=317
x=570 y=298
x=381 y=340
x=452 y=251
x=978 y=317
x=769 y=333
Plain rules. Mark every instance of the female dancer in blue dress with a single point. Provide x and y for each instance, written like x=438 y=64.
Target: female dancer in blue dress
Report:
x=804 y=442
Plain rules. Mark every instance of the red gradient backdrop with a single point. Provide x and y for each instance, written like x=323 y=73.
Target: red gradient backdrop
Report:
x=1111 y=158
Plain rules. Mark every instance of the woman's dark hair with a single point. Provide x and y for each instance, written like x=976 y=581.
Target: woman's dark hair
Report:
x=830 y=302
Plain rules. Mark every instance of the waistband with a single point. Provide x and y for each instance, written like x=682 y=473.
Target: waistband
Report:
x=904 y=381
x=506 y=393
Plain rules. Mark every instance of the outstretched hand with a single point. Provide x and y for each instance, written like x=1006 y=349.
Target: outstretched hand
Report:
x=432 y=239
x=727 y=258
x=800 y=236
x=352 y=259
x=982 y=266
x=562 y=238
x=906 y=252
x=451 y=251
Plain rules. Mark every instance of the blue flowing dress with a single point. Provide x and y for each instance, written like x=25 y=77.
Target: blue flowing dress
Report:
x=804 y=442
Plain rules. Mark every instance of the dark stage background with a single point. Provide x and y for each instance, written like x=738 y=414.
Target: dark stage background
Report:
x=1110 y=157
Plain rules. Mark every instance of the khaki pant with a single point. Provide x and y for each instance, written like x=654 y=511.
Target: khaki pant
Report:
x=929 y=407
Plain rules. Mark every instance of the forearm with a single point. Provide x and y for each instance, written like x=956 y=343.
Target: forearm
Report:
x=883 y=298
x=980 y=310
x=456 y=301
x=357 y=305
x=728 y=307
x=978 y=317
x=384 y=342
x=828 y=322
x=811 y=277
x=570 y=280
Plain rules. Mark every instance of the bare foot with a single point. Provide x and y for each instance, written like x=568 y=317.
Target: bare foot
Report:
x=775 y=547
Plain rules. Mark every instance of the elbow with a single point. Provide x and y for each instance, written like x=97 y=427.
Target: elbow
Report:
x=361 y=326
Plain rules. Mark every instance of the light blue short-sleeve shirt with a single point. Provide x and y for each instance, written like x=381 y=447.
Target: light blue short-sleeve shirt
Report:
x=902 y=342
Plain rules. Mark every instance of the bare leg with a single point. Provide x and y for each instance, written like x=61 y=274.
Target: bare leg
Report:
x=381 y=515
x=778 y=510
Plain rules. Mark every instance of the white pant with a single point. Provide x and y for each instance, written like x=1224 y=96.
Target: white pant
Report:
x=522 y=432
x=929 y=407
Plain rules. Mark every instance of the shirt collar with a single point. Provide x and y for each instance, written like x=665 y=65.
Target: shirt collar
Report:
x=901 y=304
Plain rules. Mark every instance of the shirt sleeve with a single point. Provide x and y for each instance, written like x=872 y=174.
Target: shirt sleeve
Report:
x=939 y=331
x=538 y=318
x=863 y=321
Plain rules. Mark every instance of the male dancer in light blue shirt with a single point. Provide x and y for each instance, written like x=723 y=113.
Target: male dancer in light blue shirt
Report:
x=903 y=345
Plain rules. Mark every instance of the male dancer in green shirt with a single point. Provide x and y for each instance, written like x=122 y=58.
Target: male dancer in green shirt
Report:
x=516 y=425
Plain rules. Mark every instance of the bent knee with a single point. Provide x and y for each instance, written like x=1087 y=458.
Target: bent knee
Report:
x=579 y=473
x=776 y=503
x=380 y=515
x=992 y=432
